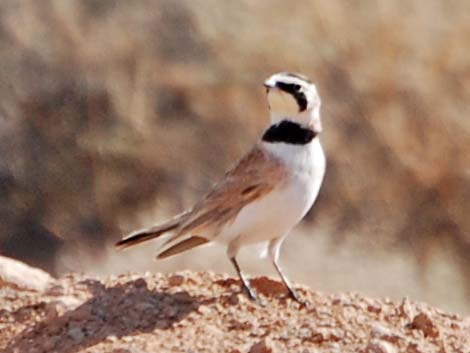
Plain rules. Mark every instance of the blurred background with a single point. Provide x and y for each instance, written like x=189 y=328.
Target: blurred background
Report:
x=117 y=114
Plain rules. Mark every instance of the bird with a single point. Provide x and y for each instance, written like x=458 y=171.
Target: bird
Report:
x=266 y=193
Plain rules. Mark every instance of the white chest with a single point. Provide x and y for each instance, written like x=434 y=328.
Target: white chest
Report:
x=275 y=214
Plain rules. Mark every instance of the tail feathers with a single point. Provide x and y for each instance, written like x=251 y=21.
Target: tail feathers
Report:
x=184 y=245
x=147 y=234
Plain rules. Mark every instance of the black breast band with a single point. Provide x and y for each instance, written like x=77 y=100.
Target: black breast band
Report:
x=289 y=132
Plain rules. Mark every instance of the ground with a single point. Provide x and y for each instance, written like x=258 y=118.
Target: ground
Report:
x=206 y=312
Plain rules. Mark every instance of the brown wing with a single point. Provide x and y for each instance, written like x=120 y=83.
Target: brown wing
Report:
x=254 y=176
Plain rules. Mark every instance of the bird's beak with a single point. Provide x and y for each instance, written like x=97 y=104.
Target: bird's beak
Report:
x=268 y=84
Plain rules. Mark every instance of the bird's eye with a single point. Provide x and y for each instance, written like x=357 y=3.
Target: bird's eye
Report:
x=296 y=88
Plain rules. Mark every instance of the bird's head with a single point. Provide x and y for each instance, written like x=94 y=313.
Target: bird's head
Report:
x=293 y=97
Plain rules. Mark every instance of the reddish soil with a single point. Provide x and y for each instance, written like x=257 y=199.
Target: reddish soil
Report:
x=205 y=312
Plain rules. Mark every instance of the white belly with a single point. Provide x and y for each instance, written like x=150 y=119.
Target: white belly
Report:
x=275 y=214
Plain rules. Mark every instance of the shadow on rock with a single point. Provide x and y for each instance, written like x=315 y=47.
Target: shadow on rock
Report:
x=121 y=310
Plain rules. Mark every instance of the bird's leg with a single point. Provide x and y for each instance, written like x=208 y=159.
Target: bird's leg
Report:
x=292 y=293
x=245 y=282
x=274 y=246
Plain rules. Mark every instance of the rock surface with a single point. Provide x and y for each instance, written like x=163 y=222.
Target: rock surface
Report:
x=205 y=312
x=16 y=274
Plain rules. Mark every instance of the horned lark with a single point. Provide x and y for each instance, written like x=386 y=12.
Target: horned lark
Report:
x=266 y=193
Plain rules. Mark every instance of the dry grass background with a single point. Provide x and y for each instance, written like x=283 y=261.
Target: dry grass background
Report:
x=114 y=114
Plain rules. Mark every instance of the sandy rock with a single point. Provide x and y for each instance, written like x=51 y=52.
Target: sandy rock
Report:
x=19 y=275
x=76 y=333
x=206 y=312
x=423 y=323
x=379 y=346
x=260 y=347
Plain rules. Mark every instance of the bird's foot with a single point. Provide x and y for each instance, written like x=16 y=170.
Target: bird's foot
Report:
x=253 y=296
x=302 y=302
